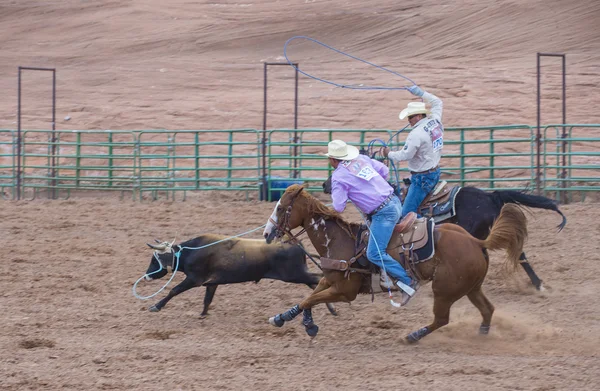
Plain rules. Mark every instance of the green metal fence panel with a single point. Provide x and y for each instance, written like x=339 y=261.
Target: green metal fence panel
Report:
x=485 y=156
x=571 y=162
x=189 y=160
x=83 y=160
x=158 y=163
x=477 y=156
x=8 y=157
x=309 y=165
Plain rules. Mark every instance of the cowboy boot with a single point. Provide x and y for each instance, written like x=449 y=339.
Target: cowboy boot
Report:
x=386 y=283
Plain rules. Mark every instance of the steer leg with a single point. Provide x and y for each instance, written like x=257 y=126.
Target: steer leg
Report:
x=208 y=297
x=186 y=284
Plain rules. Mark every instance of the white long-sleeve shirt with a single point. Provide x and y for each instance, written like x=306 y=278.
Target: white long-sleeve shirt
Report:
x=423 y=147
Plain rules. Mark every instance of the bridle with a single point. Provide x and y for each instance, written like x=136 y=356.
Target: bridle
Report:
x=282 y=228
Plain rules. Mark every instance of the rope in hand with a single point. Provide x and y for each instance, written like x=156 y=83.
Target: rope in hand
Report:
x=359 y=87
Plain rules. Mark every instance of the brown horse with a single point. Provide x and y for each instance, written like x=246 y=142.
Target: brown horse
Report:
x=458 y=267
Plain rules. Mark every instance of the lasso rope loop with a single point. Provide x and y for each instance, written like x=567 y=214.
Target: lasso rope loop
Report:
x=177 y=255
x=354 y=87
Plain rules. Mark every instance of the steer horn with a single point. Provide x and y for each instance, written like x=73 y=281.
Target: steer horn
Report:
x=160 y=247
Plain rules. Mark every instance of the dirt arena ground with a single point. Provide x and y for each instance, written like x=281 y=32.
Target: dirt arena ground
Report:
x=70 y=320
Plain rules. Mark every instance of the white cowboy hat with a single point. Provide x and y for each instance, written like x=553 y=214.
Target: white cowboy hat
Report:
x=413 y=108
x=337 y=149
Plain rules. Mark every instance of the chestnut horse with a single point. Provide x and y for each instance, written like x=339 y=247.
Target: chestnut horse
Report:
x=458 y=267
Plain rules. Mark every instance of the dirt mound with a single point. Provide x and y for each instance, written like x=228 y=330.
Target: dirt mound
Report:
x=142 y=64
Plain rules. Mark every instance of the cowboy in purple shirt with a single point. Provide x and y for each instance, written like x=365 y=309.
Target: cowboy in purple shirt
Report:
x=363 y=181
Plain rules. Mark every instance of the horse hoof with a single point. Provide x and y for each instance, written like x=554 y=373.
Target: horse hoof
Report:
x=312 y=330
x=203 y=316
x=412 y=338
x=154 y=309
x=276 y=321
x=331 y=309
x=484 y=330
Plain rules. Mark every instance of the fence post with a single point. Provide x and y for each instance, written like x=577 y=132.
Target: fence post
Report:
x=563 y=175
x=53 y=137
x=265 y=182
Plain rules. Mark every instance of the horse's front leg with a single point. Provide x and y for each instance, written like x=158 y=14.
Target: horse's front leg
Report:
x=329 y=295
x=280 y=319
x=322 y=285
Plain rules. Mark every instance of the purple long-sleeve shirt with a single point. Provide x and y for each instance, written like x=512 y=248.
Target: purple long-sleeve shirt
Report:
x=367 y=195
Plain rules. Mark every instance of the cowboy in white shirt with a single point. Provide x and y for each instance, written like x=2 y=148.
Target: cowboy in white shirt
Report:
x=422 y=149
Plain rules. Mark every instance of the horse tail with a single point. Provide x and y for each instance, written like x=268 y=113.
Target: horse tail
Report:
x=509 y=233
x=530 y=200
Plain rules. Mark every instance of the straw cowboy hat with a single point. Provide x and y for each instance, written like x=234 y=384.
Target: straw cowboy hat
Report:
x=413 y=108
x=337 y=149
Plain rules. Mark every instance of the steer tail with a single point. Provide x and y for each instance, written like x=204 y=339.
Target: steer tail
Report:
x=509 y=233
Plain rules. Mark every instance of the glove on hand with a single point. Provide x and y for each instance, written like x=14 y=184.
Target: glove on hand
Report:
x=415 y=90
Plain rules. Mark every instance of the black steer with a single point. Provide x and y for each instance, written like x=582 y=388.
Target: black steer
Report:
x=228 y=262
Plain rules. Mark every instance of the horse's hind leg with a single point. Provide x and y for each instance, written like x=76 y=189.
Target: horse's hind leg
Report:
x=535 y=280
x=441 y=313
x=484 y=306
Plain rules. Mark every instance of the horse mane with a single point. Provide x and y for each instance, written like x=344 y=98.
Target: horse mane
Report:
x=317 y=208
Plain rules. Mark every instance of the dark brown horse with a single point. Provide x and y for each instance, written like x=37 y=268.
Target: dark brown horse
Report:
x=458 y=267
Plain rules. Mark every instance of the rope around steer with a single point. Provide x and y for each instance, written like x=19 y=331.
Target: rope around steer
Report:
x=177 y=254
x=353 y=87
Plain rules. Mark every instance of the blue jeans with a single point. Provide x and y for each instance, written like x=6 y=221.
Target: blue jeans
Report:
x=382 y=227
x=420 y=186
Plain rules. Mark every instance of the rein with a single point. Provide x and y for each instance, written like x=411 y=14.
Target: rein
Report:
x=283 y=229
x=292 y=238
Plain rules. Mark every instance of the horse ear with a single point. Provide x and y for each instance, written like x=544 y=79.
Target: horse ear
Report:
x=300 y=189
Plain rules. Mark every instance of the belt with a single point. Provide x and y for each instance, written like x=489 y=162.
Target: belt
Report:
x=434 y=169
x=383 y=204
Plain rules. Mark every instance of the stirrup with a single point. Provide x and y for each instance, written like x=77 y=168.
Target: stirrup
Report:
x=406 y=222
x=408 y=292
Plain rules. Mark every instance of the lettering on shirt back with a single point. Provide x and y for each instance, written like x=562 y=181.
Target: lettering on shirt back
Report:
x=436 y=132
x=360 y=169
